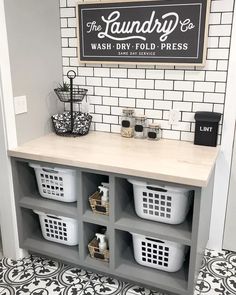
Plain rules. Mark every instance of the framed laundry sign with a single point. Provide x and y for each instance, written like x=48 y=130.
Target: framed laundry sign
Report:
x=151 y=32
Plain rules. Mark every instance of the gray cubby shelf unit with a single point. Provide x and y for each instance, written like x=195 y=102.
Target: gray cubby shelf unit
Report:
x=193 y=232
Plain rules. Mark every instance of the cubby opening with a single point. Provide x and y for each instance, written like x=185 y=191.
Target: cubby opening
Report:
x=31 y=238
x=126 y=264
x=90 y=184
x=24 y=179
x=89 y=231
x=28 y=196
x=126 y=217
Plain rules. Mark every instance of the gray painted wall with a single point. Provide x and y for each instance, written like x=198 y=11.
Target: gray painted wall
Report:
x=33 y=29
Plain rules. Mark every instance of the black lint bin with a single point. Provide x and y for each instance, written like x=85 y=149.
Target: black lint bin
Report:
x=206 y=130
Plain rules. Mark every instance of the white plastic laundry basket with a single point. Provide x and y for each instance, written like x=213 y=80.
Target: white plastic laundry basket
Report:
x=56 y=183
x=159 y=254
x=59 y=229
x=168 y=204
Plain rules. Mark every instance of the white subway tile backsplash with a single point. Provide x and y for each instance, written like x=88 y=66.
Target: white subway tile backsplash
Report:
x=188 y=116
x=193 y=96
x=213 y=42
x=127 y=83
x=164 y=84
x=94 y=81
x=84 y=71
x=187 y=136
x=110 y=82
x=105 y=127
x=69 y=52
x=206 y=107
x=183 y=126
x=155 y=74
x=115 y=128
x=64 y=42
x=210 y=65
x=99 y=109
x=215 y=18
x=67 y=12
x=153 y=114
x=162 y=105
x=145 y=84
x=136 y=93
x=218 y=53
x=119 y=73
x=95 y=99
x=127 y=102
x=110 y=119
x=101 y=72
x=183 y=85
x=214 y=97
x=153 y=90
x=111 y=101
x=220 y=87
x=73 y=42
x=222 y=65
x=119 y=92
x=102 y=91
x=174 y=75
x=219 y=30
x=63 y=22
x=182 y=106
x=222 y=5
x=204 y=86
x=116 y=111
x=154 y=94
x=173 y=95
x=227 y=18
x=136 y=73
x=171 y=134
x=224 y=42
x=195 y=75
x=144 y=103
x=216 y=76
x=72 y=22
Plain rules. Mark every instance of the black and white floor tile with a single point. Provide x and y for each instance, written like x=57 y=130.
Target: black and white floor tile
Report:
x=40 y=276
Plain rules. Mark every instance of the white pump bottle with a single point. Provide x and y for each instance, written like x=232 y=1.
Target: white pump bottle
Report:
x=102 y=242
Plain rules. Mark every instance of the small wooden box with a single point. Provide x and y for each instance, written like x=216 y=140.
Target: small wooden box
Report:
x=97 y=206
x=96 y=253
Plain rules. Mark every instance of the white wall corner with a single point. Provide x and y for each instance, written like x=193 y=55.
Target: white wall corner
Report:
x=223 y=166
x=8 y=140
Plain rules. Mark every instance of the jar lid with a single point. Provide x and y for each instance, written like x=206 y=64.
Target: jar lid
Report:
x=141 y=117
x=128 y=111
x=154 y=125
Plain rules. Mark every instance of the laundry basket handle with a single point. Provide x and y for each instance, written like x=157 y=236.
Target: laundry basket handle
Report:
x=154 y=240
x=156 y=188
x=49 y=170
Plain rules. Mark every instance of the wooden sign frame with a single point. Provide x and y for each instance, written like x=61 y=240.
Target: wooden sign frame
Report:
x=128 y=59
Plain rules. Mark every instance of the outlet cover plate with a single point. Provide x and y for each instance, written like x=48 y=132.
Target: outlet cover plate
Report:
x=20 y=104
x=174 y=117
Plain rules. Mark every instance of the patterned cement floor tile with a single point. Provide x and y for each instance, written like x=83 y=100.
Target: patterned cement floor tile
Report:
x=40 y=276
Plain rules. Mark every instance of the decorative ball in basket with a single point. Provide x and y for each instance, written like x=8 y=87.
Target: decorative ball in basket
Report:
x=71 y=123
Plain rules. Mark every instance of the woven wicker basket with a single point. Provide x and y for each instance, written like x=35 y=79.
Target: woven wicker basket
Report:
x=95 y=252
x=97 y=206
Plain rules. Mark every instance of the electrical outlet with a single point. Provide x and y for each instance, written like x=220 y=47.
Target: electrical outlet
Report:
x=20 y=104
x=174 y=117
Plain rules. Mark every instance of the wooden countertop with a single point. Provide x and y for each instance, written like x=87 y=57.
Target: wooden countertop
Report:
x=167 y=160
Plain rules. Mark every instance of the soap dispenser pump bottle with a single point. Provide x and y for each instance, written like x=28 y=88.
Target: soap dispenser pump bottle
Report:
x=102 y=242
x=104 y=192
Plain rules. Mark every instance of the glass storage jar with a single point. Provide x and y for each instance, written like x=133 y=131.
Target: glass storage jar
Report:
x=154 y=131
x=127 y=123
x=140 y=126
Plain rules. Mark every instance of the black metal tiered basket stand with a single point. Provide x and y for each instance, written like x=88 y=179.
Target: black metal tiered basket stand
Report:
x=71 y=123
